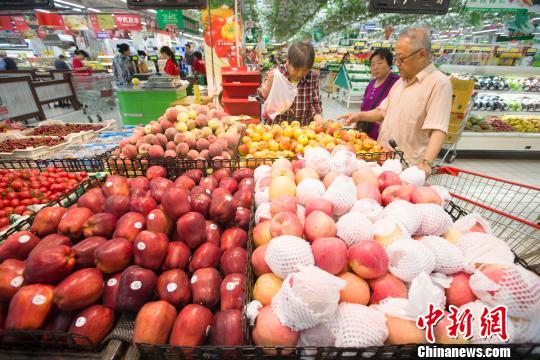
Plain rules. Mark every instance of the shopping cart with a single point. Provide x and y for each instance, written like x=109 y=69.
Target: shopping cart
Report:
x=95 y=93
x=513 y=209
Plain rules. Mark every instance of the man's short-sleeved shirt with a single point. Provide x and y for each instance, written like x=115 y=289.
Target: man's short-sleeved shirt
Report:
x=413 y=109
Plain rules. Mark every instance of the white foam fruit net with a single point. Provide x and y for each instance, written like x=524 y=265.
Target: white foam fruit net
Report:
x=285 y=253
x=306 y=298
x=309 y=189
x=526 y=330
x=261 y=171
x=433 y=220
x=404 y=212
x=360 y=326
x=413 y=175
x=388 y=231
x=353 y=228
x=517 y=288
x=465 y=223
x=476 y=308
x=481 y=248
x=393 y=165
x=318 y=159
x=262 y=212
x=408 y=258
x=448 y=257
x=323 y=334
x=369 y=208
x=342 y=194
x=343 y=161
x=262 y=196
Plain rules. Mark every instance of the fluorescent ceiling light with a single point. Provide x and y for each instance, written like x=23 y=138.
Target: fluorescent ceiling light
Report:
x=94 y=10
x=152 y=11
x=143 y=23
x=485 y=31
x=69 y=3
x=124 y=1
x=75 y=9
x=43 y=11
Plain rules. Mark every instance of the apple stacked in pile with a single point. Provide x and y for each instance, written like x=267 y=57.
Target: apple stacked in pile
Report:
x=144 y=244
x=197 y=132
x=387 y=236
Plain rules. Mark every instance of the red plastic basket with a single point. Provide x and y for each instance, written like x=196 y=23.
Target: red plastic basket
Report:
x=513 y=209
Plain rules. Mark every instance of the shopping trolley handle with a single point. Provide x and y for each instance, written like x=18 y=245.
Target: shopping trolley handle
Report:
x=394 y=146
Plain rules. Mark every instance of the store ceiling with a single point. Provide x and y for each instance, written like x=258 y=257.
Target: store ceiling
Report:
x=285 y=20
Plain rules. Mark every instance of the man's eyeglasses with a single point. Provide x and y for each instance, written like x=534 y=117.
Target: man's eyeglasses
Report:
x=401 y=59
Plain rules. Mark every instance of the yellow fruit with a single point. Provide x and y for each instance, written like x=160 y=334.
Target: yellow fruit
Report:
x=295 y=123
x=297 y=133
x=281 y=185
x=299 y=148
x=303 y=140
x=256 y=137
x=135 y=81
x=288 y=132
x=284 y=124
x=267 y=136
x=273 y=145
x=246 y=139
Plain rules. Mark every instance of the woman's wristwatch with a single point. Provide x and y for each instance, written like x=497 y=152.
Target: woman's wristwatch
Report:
x=427 y=162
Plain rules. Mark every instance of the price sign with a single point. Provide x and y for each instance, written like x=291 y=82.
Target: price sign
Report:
x=439 y=7
x=386 y=45
x=436 y=47
x=531 y=51
x=360 y=43
x=449 y=47
x=376 y=45
x=26 y=4
x=164 y=4
x=476 y=48
x=487 y=49
x=461 y=48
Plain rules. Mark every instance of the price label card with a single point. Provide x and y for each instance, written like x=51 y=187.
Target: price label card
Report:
x=360 y=43
x=531 y=51
x=487 y=49
x=436 y=46
x=461 y=48
x=376 y=45
x=475 y=48
x=449 y=47
x=387 y=45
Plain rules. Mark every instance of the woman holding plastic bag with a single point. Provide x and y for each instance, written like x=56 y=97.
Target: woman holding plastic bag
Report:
x=291 y=91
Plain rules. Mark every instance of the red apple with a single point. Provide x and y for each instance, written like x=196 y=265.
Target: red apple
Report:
x=221 y=174
x=178 y=256
x=234 y=260
x=150 y=249
x=368 y=191
x=319 y=204
x=319 y=225
x=195 y=174
x=191 y=326
x=191 y=228
x=176 y=202
x=158 y=221
x=185 y=182
x=135 y=288
x=258 y=262
x=94 y=322
x=73 y=221
x=114 y=255
x=425 y=195
x=213 y=232
x=158 y=187
x=110 y=291
x=155 y=172
x=117 y=205
x=227 y=329
x=243 y=198
x=140 y=182
x=247 y=184
x=388 y=178
x=143 y=204
x=283 y=203
x=154 y=323
x=84 y=250
x=11 y=278
x=209 y=183
x=173 y=287
x=201 y=203
x=47 y=220
x=129 y=225
x=50 y=266
x=50 y=241
x=93 y=200
x=100 y=224
x=394 y=192
x=233 y=237
x=206 y=255
x=330 y=254
x=368 y=259
x=222 y=208
x=242 y=217
x=115 y=185
x=79 y=290
x=286 y=223
x=229 y=183
x=231 y=291
x=205 y=284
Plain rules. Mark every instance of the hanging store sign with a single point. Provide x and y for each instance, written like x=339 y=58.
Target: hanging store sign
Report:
x=5 y=24
x=190 y=25
x=439 y=7
x=54 y=21
x=502 y=5
x=101 y=22
x=167 y=18
x=170 y=4
x=128 y=22
x=76 y=22
x=26 y=4
x=20 y=23
x=102 y=35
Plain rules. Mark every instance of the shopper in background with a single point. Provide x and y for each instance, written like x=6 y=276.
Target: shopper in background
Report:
x=61 y=64
x=122 y=65
x=377 y=90
x=142 y=63
x=307 y=104
x=7 y=63
x=190 y=55
x=171 y=67
x=417 y=110
x=199 y=67
x=78 y=64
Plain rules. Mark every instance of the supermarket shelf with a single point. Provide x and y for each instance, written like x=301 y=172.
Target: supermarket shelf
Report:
x=241 y=84
x=237 y=101
x=499 y=141
x=492 y=70
x=241 y=73
x=503 y=92
x=500 y=113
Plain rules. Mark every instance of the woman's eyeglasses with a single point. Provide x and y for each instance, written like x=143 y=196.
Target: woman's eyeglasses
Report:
x=401 y=59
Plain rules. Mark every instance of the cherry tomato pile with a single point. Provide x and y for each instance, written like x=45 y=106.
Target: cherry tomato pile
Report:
x=63 y=130
x=21 y=188
x=9 y=145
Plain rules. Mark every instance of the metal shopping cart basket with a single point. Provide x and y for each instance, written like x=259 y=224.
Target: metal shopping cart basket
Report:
x=95 y=93
x=513 y=209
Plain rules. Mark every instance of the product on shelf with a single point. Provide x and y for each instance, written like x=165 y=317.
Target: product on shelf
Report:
x=197 y=132
x=498 y=83
x=22 y=188
x=478 y=123
x=352 y=257
x=8 y=145
x=147 y=245
x=502 y=103
x=505 y=123
x=291 y=139
x=62 y=130
x=523 y=124
x=8 y=125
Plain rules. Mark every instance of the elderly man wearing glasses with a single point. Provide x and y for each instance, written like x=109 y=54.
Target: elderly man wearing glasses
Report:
x=417 y=110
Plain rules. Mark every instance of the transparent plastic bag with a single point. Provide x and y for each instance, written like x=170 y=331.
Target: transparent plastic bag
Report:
x=307 y=298
x=281 y=96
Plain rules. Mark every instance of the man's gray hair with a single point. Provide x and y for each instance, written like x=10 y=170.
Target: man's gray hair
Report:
x=419 y=36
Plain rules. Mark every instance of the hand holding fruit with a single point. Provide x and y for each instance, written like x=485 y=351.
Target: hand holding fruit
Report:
x=350 y=118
